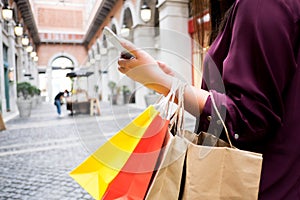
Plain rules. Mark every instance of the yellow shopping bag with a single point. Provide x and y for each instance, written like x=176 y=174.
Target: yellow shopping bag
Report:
x=100 y=168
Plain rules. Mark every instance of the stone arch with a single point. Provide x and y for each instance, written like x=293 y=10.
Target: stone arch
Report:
x=128 y=18
x=115 y=23
x=129 y=7
x=60 y=82
x=63 y=54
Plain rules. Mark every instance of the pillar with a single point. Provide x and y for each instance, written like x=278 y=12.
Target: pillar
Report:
x=12 y=64
x=20 y=64
x=104 y=76
x=144 y=38
x=175 y=41
x=2 y=89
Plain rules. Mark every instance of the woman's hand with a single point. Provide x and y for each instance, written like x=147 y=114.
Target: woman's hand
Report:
x=157 y=76
x=145 y=69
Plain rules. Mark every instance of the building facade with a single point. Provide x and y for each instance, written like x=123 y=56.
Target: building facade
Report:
x=67 y=36
x=18 y=62
x=165 y=35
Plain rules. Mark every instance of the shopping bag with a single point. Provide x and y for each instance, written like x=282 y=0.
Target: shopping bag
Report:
x=99 y=169
x=133 y=180
x=223 y=173
x=167 y=181
x=220 y=171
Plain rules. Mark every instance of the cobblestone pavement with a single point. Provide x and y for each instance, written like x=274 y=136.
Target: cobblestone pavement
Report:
x=37 y=153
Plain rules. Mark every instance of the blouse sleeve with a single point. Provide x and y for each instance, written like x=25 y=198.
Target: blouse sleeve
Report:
x=255 y=57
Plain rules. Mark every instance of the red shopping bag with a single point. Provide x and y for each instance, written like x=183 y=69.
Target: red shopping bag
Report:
x=134 y=178
x=101 y=167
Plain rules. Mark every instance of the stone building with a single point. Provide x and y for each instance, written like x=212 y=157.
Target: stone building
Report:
x=67 y=36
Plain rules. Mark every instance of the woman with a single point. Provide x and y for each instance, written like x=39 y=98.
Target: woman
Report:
x=58 y=101
x=257 y=53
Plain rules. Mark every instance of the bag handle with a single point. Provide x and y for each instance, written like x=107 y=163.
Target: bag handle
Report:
x=178 y=117
x=163 y=103
x=220 y=118
x=179 y=113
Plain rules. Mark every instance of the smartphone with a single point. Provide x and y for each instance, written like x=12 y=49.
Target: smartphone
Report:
x=115 y=40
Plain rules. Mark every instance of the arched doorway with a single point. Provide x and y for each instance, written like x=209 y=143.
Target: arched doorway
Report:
x=60 y=67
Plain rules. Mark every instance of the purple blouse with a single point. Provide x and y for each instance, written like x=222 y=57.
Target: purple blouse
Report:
x=257 y=56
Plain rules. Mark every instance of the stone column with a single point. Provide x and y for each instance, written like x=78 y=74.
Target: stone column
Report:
x=144 y=37
x=35 y=73
x=104 y=76
x=25 y=64
x=2 y=89
x=112 y=65
x=49 y=95
x=31 y=68
x=19 y=63
x=97 y=76
x=175 y=41
x=112 y=69
x=12 y=64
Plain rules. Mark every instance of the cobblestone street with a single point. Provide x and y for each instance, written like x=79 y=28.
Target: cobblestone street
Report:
x=37 y=153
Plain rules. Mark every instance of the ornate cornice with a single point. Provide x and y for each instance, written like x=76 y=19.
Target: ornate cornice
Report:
x=101 y=14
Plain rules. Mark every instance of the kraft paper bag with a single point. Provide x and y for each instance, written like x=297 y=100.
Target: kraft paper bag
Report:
x=167 y=181
x=99 y=169
x=221 y=172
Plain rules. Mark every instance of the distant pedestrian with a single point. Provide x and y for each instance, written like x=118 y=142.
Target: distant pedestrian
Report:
x=59 y=100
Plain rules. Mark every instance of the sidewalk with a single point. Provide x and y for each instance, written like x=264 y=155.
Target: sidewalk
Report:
x=37 y=153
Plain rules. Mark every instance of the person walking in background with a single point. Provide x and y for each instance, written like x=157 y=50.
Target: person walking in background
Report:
x=58 y=101
x=256 y=50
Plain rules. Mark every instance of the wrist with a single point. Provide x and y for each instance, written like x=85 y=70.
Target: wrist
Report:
x=162 y=84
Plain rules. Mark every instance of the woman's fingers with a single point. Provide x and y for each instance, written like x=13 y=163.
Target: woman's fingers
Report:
x=136 y=52
x=122 y=69
x=130 y=47
x=126 y=64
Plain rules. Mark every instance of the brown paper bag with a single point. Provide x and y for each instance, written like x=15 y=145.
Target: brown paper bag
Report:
x=167 y=181
x=221 y=173
x=216 y=171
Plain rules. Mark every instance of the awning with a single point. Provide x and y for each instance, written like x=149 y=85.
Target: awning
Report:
x=79 y=73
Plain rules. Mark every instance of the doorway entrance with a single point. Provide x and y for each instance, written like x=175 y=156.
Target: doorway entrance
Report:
x=60 y=67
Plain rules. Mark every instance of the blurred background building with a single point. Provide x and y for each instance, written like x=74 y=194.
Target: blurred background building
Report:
x=44 y=40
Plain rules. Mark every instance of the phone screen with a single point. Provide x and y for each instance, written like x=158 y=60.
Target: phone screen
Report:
x=114 y=39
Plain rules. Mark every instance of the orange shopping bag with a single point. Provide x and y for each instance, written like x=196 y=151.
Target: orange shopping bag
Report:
x=99 y=169
x=133 y=180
